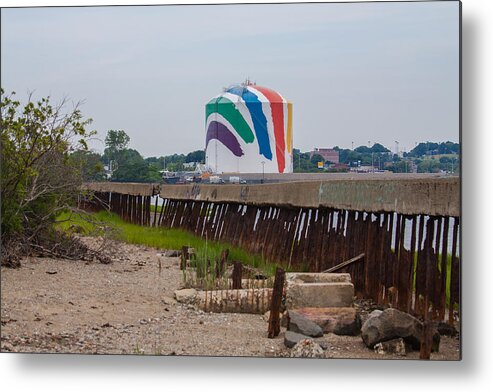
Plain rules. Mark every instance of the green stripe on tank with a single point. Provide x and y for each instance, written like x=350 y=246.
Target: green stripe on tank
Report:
x=228 y=110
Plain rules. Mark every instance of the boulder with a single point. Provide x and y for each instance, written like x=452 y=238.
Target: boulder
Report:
x=340 y=321
x=292 y=338
x=445 y=329
x=376 y=312
x=186 y=296
x=307 y=348
x=172 y=253
x=394 y=346
x=300 y=324
x=390 y=324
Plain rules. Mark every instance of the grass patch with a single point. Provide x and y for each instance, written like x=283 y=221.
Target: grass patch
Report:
x=161 y=238
x=158 y=208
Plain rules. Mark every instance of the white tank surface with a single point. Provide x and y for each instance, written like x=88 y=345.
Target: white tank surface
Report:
x=249 y=130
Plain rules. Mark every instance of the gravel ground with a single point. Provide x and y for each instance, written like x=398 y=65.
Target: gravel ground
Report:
x=127 y=307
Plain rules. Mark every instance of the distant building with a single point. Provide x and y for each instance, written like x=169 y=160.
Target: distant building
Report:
x=328 y=154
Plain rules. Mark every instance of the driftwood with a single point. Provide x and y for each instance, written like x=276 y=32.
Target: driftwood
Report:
x=344 y=263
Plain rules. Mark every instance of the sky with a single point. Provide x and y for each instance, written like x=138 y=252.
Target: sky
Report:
x=355 y=72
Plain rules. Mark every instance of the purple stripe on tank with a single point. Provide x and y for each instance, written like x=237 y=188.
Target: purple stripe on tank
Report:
x=218 y=131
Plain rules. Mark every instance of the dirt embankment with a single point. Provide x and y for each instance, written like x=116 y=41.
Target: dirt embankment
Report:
x=127 y=307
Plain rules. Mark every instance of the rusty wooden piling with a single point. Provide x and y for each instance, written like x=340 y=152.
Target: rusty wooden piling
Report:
x=406 y=248
x=275 y=307
x=237 y=274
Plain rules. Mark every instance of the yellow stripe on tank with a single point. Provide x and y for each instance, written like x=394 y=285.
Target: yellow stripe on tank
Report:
x=289 y=136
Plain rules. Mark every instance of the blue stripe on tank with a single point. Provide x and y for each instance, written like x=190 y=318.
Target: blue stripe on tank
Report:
x=254 y=106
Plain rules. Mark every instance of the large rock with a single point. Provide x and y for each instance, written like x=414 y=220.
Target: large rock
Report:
x=340 y=321
x=186 y=296
x=446 y=329
x=300 y=324
x=172 y=253
x=292 y=338
x=307 y=348
x=390 y=324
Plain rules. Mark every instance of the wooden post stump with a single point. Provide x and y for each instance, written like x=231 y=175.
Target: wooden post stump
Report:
x=184 y=258
x=426 y=340
x=275 y=307
x=237 y=274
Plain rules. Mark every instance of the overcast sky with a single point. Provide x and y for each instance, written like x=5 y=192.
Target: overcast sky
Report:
x=355 y=72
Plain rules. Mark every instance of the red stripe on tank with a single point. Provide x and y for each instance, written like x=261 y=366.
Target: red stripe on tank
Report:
x=276 y=106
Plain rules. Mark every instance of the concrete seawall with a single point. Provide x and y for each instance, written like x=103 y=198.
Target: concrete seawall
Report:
x=407 y=228
x=439 y=196
x=124 y=188
x=436 y=197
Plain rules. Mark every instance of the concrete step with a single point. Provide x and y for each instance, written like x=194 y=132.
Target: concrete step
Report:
x=319 y=295
x=317 y=277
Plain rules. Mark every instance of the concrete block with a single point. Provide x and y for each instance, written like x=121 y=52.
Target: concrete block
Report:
x=319 y=295
x=316 y=277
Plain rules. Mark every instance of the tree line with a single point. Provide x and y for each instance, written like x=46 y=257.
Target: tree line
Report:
x=425 y=157
x=123 y=164
x=128 y=165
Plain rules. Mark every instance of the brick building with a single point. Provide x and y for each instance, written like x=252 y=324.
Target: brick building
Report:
x=328 y=154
